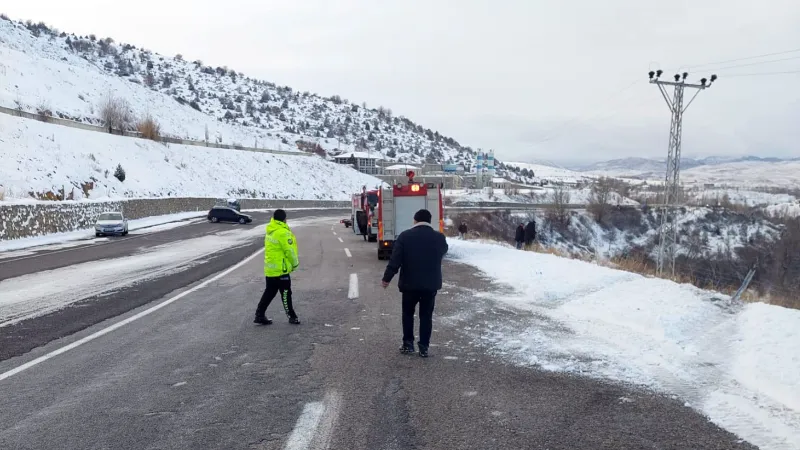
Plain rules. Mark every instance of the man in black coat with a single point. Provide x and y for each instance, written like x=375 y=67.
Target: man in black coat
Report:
x=417 y=254
x=519 y=236
x=530 y=234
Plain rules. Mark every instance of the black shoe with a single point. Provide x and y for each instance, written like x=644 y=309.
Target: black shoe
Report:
x=294 y=321
x=262 y=321
x=423 y=351
x=407 y=349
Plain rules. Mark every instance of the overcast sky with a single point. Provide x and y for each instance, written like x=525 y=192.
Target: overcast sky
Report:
x=535 y=80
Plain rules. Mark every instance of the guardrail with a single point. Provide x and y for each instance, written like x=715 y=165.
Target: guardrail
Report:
x=135 y=134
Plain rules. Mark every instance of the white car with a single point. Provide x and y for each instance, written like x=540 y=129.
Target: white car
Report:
x=111 y=223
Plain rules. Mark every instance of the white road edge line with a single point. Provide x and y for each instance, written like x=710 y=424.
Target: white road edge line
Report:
x=340 y=240
x=314 y=427
x=122 y=323
x=334 y=233
x=352 y=292
x=347 y=252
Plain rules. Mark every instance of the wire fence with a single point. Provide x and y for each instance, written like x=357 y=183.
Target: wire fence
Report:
x=135 y=134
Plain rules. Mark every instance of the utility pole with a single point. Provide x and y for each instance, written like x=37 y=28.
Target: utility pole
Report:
x=668 y=231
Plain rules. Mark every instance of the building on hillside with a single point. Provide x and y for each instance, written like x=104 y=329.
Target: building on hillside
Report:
x=499 y=183
x=362 y=161
x=400 y=169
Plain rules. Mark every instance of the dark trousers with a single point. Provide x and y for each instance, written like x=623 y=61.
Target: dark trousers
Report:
x=427 y=301
x=283 y=285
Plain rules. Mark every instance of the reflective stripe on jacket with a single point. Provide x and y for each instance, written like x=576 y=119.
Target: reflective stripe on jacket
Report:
x=280 y=250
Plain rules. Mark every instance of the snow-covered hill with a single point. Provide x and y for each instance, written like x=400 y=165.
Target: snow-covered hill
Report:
x=537 y=172
x=39 y=158
x=43 y=69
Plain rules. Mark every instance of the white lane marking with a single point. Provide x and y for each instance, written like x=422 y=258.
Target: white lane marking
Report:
x=347 y=252
x=122 y=323
x=314 y=427
x=340 y=239
x=179 y=384
x=352 y=292
x=334 y=233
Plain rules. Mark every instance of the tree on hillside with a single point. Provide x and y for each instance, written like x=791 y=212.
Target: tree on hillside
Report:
x=600 y=199
x=116 y=113
x=557 y=211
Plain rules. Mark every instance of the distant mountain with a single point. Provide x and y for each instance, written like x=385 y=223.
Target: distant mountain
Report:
x=643 y=167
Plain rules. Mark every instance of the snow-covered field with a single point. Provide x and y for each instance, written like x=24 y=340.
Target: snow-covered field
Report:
x=43 y=292
x=540 y=195
x=750 y=173
x=738 y=364
x=40 y=157
x=786 y=209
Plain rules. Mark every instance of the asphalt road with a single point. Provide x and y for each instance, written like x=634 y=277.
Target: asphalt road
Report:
x=197 y=373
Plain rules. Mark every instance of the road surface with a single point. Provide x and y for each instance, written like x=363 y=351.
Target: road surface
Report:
x=184 y=367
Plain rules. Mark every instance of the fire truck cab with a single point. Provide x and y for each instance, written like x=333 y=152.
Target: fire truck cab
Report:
x=397 y=206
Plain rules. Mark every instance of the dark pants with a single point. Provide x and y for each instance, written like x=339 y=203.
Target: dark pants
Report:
x=274 y=285
x=426 y=300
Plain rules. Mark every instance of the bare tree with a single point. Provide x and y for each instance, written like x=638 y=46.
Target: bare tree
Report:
x=116 y=114
x=149 y=128
x=600 y=200
x=558 y=210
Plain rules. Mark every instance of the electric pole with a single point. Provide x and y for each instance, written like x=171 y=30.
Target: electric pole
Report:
x=668 y=231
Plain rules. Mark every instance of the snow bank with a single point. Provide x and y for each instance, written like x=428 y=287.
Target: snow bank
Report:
x=40 y=157
x=740 y=365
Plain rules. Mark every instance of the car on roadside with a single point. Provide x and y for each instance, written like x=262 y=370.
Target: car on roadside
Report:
x=226 y=214
x=111 y=224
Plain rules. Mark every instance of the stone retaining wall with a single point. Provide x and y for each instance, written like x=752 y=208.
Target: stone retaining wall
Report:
x=21 y=221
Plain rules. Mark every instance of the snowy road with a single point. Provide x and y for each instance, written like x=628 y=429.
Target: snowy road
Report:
x=196 y=373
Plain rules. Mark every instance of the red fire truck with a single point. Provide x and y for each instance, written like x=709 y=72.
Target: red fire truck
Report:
x=397 y=206
x=363 y=212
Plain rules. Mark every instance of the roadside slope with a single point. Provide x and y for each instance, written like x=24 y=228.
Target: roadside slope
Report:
x=42 y=157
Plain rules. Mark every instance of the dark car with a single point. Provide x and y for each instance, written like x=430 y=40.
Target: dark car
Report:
x=226 y=214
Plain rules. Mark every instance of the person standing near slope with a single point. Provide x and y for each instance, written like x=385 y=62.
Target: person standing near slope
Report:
x=417 y=254
x=280 y=260
x=519 y=236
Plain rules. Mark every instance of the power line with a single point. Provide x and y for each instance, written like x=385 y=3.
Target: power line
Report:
x=755 y=63
x=743 y=59
x=760 y=74
x=548 y=135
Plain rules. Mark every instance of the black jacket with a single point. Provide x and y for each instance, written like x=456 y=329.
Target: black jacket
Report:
x=462 y=228
x=417 y=254
x=520 y=235
x=530 y=231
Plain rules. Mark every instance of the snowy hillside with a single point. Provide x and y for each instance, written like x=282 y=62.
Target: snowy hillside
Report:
x=654 y=168
x=738 y=364
x=40 y=158
x=42 y=69
x=544 y=172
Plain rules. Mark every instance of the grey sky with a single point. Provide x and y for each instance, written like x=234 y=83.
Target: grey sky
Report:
x=535 y=80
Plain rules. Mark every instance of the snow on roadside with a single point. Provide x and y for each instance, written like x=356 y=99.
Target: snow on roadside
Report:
x=44 y=157
x=40 y=293
x=739 y=365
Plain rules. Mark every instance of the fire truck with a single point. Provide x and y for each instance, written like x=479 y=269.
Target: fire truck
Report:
x=398 y=204
x=363 y=211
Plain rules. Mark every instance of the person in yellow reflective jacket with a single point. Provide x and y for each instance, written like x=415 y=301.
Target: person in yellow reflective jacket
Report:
x=280 y=260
